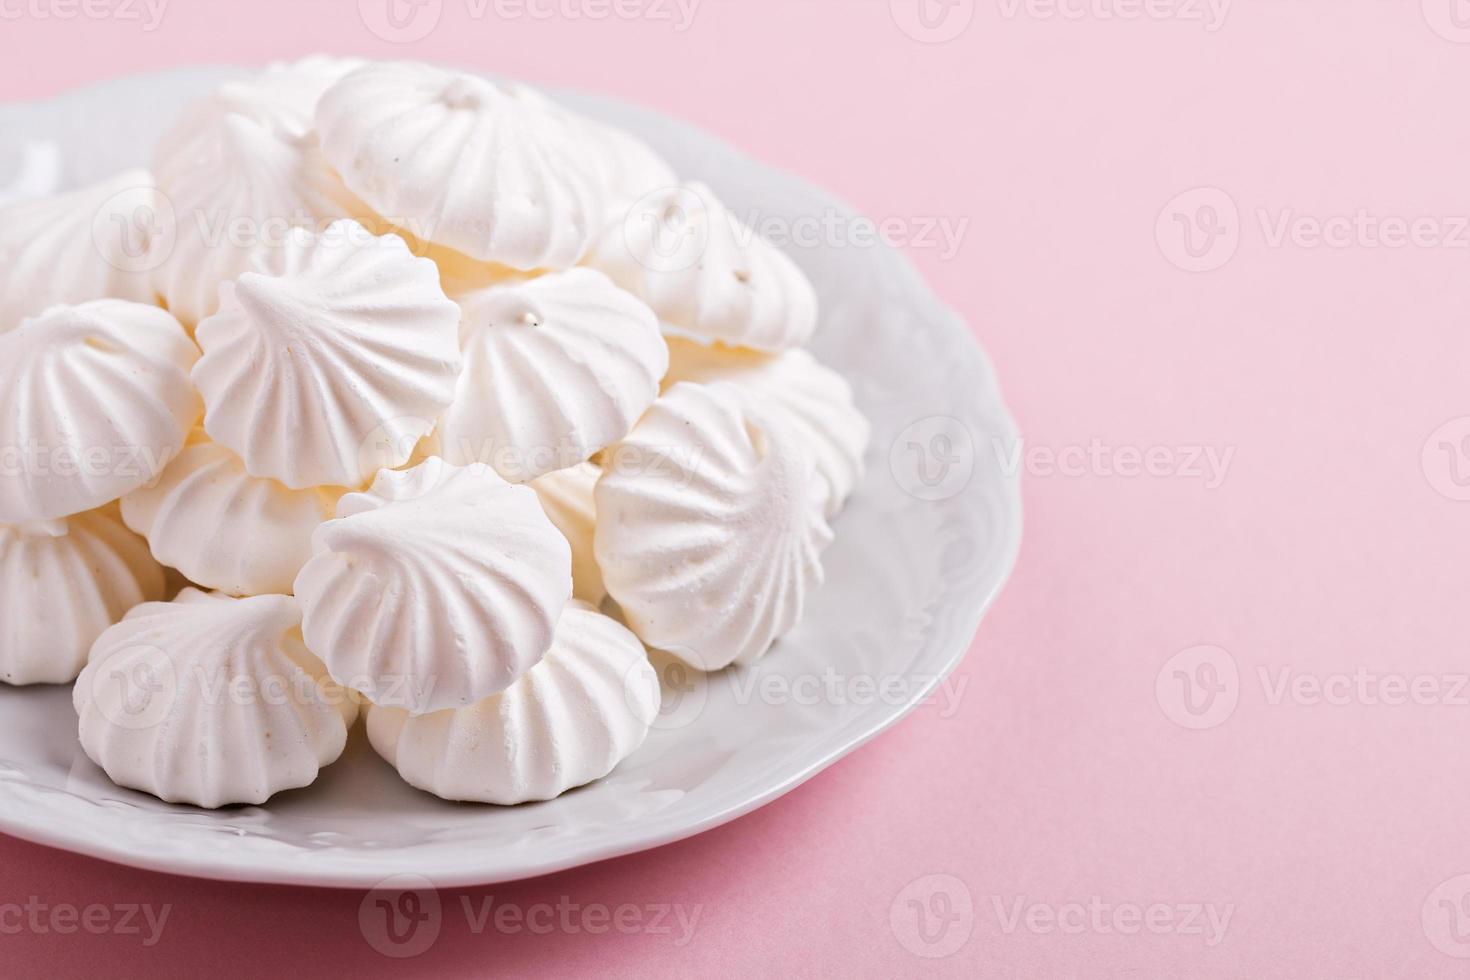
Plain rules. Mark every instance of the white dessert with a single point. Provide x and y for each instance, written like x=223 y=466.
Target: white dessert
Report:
x=628 y=169
x=494 y=171
x=211 y=701
x=683 y=253
x=76 y=247
x=566 y=496
x=818 y=400
x=62 y=583
x=436 y=588
x=224 y=529
x=97 y=401
x=710 y=525
x=567 y=722
x=282 y=99
x=472 y=367
x=556 y=369
x=324 y=368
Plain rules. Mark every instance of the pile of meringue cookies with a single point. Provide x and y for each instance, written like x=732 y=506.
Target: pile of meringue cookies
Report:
x=392 y=391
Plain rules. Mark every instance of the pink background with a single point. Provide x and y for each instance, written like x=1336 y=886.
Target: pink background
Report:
x=1331 y=547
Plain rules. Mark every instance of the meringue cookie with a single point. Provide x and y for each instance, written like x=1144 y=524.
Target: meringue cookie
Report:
x=556 y=369
x=566 y=496
x=332 y=364
x=225 y=529
x=710 y=525
x=282 y=99
x=236 y=194
x=818 y=400
x=97 y=400
x=210 y=700
x=87 y=244
x=494 y=171
x=569 y=721
x=628 y=168
x=61 y=584
x=436 y=588
x=684 y=254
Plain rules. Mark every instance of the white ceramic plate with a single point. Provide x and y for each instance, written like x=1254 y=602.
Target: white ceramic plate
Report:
x=908 y=580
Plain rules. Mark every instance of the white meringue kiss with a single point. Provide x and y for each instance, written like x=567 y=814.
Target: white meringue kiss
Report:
x=492 y=170
x=225 y=529
x=61 y=584
x=331 y=365
x=97 y=401
x=683 y=253
x=283 y=98
x=79 y=246
x=818 y=400
x=211 y=701
x=710 y=525
x=556 y=369
x=578 y=713
x=435 y=589
x=234 y=195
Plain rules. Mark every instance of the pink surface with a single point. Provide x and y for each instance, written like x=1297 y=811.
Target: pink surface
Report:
x=1330 y=827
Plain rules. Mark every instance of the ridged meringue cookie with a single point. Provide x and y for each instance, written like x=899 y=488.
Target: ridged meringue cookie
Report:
x=79 y=246
x=282 y=98
x=235 y=196
x=492 y=170
x=569 y=721
x=710 y=526
x=627 y=168
x=556 y=369
x=818 y=400
x=97 y=400
x=225 y=529
x=566 y=496
x=436 y=588
x=686 y=255
x=210 y=700
x=330 y=365
x=61 y=584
